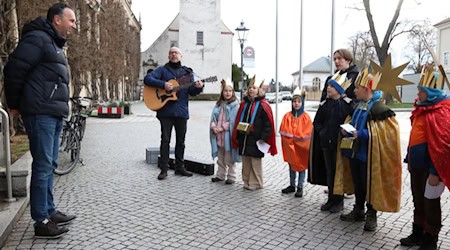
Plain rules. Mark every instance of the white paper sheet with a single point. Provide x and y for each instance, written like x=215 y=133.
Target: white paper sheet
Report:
x=434 y=192
x=348 y=127
x=263 y=146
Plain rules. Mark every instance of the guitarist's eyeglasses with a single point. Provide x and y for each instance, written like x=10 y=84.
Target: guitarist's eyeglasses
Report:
x=174 y=52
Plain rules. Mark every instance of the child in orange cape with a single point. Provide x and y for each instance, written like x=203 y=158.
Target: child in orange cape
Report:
x=295 y=130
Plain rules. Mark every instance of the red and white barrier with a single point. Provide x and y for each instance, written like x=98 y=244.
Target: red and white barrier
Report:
x=110 y=112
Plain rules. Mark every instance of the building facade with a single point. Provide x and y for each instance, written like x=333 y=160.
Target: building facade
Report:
x=314 y=77
x=443 y=43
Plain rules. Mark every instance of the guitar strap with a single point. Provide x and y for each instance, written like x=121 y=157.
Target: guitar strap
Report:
x=181 y=79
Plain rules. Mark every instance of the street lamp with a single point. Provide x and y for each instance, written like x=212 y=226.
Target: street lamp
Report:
x=242 y=34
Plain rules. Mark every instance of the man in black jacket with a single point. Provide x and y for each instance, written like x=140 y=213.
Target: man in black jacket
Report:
x=37 y=87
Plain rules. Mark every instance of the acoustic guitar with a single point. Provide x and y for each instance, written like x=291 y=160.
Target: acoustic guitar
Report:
x=155 y=98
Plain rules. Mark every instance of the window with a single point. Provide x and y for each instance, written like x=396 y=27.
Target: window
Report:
x=446 y=58
x=199 y=37
x=173 y=44
x=316 y=83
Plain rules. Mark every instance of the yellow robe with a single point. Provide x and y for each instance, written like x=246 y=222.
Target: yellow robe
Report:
x=384 y=167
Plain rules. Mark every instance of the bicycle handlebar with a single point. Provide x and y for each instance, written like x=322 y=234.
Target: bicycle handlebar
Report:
x=81 y=97
x=77 y=101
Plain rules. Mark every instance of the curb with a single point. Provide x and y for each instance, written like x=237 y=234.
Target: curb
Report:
x=11 y=212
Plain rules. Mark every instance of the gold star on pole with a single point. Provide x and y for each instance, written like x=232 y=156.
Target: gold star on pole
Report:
x=389 y=77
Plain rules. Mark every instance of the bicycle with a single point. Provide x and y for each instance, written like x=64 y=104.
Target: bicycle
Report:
x=71 y=136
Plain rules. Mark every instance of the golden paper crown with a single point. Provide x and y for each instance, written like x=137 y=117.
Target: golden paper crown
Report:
x=299 y=92
x=254 y=83
x=433 y=79
x=226 y=82
x=342 y=80
x=367 y=80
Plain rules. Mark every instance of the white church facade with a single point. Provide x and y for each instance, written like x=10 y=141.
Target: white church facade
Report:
x=205 y=42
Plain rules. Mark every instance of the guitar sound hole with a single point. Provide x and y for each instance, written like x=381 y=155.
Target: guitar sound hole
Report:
x=164 y=96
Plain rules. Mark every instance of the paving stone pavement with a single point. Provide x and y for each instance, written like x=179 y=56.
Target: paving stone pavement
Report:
x=121 y=205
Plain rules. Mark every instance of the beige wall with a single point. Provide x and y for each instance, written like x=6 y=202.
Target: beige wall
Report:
x=443 y=44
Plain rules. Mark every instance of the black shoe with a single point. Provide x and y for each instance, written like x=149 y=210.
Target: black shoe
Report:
x=357 y=214
x=429 y=242
x=299 y=192
x=288 y=190
x=61 y=218
x=337 y=207
x=229 y=182
x=326 y=206
x=216 y=179
x=49 y=230
x=183 y=172
x=371 y=221
x=163 y=174
x=416 y=238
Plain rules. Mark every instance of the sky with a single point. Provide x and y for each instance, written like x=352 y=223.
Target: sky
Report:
x=260 y=17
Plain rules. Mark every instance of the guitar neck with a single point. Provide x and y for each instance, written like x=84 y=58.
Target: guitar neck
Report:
x=187 y=85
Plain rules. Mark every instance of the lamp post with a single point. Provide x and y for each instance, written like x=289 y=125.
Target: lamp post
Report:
x=242 y=34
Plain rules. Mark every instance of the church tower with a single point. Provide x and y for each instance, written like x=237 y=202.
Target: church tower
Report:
x=205 y=41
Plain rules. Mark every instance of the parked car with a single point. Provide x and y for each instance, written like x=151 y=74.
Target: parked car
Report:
x=270 y=97
x=286 y=95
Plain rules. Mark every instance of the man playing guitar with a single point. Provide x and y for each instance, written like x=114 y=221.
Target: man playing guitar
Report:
x=173 y=113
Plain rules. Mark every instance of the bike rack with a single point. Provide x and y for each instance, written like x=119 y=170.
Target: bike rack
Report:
x=7 y=151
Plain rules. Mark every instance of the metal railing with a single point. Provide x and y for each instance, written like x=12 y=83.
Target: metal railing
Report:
x=7 y=151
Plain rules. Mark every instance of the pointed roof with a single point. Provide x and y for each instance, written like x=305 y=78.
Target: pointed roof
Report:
x=320 y=65
x=445 y=21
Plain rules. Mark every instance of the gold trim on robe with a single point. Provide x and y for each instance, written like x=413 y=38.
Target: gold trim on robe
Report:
x=384 y=167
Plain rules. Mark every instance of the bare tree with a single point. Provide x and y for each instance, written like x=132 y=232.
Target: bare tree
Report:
x=102 y=55
x=363 y=49
x=421 y=34
x=394 y=29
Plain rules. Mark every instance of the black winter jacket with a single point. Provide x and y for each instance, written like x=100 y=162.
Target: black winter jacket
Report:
x=37 y=75
x=261 y=130
x=328 y=119
x=183 y=75
x=352 y=73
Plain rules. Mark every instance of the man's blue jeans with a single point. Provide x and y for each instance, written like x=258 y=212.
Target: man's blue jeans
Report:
x=43 y=133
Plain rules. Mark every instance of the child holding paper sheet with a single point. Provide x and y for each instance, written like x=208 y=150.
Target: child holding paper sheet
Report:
x=428 y=157
x=254 y=126
x=330 y=115
x=295 y=130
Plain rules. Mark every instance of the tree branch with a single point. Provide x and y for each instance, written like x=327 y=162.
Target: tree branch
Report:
x=392 y=24
x=371 y=24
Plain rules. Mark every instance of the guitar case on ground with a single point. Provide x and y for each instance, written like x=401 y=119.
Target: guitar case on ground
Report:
x=192 y=164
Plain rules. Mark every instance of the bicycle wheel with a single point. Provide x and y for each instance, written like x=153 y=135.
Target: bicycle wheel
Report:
x=82 y=127
x=69 y=152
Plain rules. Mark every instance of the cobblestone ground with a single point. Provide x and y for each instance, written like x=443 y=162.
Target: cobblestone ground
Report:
x=121 y=205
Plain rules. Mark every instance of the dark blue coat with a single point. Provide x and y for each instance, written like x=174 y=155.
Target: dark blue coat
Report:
x=36 y=75
x=330 y=115
x=183 y=75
